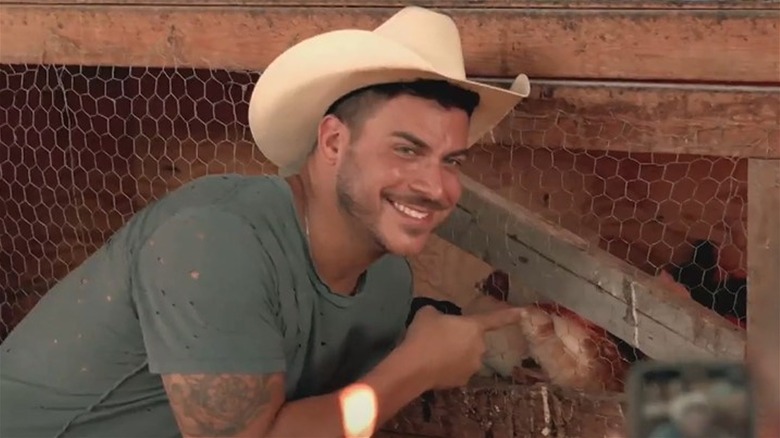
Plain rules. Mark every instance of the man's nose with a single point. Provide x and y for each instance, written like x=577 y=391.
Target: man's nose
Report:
x=428 y=182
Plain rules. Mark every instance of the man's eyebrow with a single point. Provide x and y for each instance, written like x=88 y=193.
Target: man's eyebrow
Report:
x=460 y=153
x=411 y=138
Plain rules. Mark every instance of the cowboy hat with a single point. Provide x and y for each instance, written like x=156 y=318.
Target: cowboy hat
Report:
x=293 y=93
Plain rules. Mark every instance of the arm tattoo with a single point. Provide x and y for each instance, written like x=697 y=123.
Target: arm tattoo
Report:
x=220 y=404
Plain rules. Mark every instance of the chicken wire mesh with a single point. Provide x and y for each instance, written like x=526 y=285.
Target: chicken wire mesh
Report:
x=83 y=148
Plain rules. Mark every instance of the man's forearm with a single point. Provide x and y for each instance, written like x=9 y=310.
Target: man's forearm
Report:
x=395 y=382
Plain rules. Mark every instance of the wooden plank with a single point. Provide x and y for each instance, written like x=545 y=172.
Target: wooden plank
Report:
x=721 y=120
x=764 y=285
x=560 y=266
x=465 y=4
x=488 y=408
x=701 y=45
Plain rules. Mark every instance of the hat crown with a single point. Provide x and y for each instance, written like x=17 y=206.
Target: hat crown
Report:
x=432 y=35
x=293 y=93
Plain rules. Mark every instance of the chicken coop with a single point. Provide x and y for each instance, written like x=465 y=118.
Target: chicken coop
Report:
x=649 y=149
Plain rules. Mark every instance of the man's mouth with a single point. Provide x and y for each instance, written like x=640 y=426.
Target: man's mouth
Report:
x=410 y=211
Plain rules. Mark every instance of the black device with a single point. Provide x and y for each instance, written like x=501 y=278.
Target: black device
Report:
x=690 y=400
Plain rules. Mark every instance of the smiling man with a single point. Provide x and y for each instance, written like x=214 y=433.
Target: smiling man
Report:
x=254 y=306
x=401 y=147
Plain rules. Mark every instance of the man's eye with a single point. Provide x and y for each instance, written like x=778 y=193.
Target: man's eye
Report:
x=456 y=162
x=406 y=150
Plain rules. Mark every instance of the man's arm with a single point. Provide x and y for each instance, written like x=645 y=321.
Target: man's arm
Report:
x=222 y=405
x=395 y=382
x=208 y=308
x=232 y=405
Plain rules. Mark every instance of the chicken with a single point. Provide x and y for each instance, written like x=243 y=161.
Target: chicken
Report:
x=709 y=284
x=571 y=351
x=506 y=347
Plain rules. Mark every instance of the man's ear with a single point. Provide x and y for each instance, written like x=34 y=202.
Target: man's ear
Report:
x=332 y=138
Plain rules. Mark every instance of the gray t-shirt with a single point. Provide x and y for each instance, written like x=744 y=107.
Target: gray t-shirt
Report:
x=214 y=278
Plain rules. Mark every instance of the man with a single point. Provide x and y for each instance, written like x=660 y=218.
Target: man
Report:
x=253 y=306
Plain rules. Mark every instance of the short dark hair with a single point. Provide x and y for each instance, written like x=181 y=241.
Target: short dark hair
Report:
x=353 y=107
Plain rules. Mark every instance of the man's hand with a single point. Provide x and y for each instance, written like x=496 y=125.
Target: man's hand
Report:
x=452 y=347
x=224 y=405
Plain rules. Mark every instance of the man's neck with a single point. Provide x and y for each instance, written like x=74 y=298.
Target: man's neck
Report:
x=340 y=253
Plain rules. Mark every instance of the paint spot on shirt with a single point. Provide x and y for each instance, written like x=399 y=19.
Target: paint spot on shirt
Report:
x=195 y=275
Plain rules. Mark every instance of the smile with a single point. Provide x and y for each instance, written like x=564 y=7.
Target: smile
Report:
x=409 y=211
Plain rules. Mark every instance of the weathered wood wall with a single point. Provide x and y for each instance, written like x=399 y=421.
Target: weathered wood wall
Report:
x=596 y=40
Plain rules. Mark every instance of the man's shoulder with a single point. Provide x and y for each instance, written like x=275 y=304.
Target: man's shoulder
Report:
x=227 y=205
x=248 y=196
x=229 y=187
x=255 y=195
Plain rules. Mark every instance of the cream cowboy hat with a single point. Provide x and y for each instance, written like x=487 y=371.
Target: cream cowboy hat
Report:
x=293 y=93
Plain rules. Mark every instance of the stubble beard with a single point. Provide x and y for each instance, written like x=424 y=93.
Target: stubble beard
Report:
x=346 y=181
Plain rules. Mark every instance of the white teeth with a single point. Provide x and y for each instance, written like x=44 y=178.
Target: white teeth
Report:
x=410 y=211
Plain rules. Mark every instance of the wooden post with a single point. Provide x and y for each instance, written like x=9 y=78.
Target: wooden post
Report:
x=763 y=342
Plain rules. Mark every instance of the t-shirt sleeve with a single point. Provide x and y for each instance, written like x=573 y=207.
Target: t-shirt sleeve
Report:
x=205 y=298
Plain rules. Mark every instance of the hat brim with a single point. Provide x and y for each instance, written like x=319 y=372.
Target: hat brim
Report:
x=284 y=118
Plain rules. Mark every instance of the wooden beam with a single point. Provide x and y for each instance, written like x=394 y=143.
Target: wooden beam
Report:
x=560 y=266
x=764 y=286
x=464 y=4
x=488 y=408
x=685 y=45
x=718 y=120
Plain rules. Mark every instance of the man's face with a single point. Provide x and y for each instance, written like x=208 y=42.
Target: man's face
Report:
x=400 y=177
